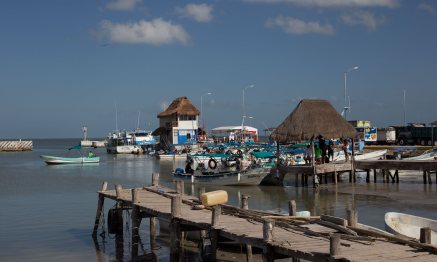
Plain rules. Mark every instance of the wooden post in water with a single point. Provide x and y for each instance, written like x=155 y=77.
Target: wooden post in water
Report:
x=425 y=235
x=100 y=203
x=374 y=176
x=367 y=175
x=397 y=176
x=155 y=179
x=245 y=205
x=152 y=222
x=135 y=223
x=352 y=217
x=292 y=208
x=175 y=228
x=215 y=220
x=429 y=177
x=334 y=245
x=268 y=254
x=424 y=177
x=119 y=237
x=180 y=187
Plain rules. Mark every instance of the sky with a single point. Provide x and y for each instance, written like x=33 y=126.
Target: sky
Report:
x=109 y=64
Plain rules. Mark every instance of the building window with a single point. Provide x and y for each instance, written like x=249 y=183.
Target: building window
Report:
x=187 y=118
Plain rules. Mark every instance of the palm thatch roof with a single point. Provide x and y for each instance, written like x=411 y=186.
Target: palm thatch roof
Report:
x=312 y=118
x=180 y=106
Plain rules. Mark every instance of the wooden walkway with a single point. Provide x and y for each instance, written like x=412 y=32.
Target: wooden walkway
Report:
x=389 y=170
x=325 y=239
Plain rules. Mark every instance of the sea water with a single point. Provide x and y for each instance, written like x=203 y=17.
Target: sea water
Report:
x=47 y=212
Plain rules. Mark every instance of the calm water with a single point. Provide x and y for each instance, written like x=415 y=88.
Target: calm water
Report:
x=47 y=212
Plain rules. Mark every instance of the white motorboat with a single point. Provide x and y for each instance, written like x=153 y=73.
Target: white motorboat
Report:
x=426 y=156
x=409 y=225
x=374 y=155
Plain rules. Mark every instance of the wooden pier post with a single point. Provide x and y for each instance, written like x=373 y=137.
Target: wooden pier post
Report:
x=397 y=176
x=268 y=253
x=352 y=217
x=374 y=176
x=180 y=187
x=136 y=220
x=367 y=175
x=425 y=235
x=119 y=236
x=429 y=177
x=245 y=205
x=215 y=220
x=292 y=208
x=245 y=201
x=100 y=203
x=155 y=179
x=152 y=222
x=334 y=245
x=424 y=177
x=175 y=228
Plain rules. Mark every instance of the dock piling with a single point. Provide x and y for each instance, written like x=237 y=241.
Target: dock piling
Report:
x=100 y=203
x=245 y=206
x=334 y=245
x=136 y=220
x=292 y=208
x=352 y=217
x=155 y=179
x=425 y=235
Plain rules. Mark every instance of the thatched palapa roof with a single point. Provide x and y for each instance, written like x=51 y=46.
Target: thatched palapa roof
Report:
x=180 y=106
x=312 y=118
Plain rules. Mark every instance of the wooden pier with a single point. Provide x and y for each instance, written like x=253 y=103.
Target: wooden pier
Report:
x=322 y=238
x=388 y=169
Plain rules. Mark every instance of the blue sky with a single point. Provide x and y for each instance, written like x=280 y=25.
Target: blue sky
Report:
x=65 y=63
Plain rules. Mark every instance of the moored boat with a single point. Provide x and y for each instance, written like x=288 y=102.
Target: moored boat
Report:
x=56 y=160
x=82 y=159
x=249 y=177
x=409 y=225
x=374 y=155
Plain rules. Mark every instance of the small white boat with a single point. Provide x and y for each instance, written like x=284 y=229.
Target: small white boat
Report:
x=56 y=160
x=82 y=159
x=426 y=156
x=409 y=225
x=374 y=155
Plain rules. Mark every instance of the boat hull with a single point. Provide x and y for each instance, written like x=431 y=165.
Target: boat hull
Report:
x=244 y=178
x=55 y=160
x=409 y=225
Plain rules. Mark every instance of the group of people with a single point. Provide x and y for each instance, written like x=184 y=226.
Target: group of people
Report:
x=324 y=151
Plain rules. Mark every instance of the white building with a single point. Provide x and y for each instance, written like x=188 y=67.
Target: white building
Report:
x=178 y=124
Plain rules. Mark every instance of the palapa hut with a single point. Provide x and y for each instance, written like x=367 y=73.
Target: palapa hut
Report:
x=178 y=124
x=311 y=118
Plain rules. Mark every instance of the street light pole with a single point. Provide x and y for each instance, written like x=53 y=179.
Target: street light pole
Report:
x=345 y=88
x=201 y=107
x=244 y=106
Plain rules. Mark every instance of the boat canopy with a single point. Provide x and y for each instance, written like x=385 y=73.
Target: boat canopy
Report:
x=263 y=154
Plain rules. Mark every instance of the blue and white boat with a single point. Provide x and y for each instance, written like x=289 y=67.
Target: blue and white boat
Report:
x=82 y=159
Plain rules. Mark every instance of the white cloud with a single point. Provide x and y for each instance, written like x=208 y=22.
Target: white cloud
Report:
x=427 y=7
x=334 y=3
x=155 y=32
x=198 y=12
x=367 y=19
x=293 y=25
x=122 y=5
